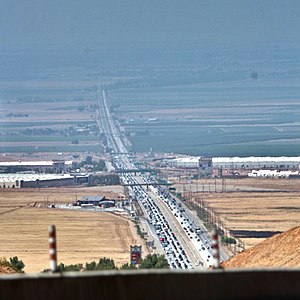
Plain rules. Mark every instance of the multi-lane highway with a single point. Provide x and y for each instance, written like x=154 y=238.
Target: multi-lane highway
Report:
x=185 y=242
x=107 y=125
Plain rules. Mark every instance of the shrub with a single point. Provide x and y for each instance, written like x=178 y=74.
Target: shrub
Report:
x=228 y=240
x=17 y=264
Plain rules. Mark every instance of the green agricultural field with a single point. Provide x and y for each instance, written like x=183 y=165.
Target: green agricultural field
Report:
x=59 y=148
x=231 y=118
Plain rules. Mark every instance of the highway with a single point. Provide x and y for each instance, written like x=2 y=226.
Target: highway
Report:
x=185 y=242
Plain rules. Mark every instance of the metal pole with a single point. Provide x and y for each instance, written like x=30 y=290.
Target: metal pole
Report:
x=215 y=249
x=52 y=248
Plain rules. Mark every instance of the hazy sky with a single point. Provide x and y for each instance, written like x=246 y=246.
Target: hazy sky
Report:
x=94 y=21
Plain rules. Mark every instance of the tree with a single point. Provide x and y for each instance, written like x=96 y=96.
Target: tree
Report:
x=151 y=261
x=106 y=264
x=154 y=261
x=91 y=266
x=17 y=264
x=103 y=264
x=88 y=160
x=70 y=268
x=4 y=262
x=128 y=267
x=228 y=240
x=66 y=268
x=110 y=179
x=100 y=166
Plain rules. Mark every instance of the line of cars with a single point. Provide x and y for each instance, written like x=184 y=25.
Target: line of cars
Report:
x=197 y=236
x=174 y=251
x=107 y=124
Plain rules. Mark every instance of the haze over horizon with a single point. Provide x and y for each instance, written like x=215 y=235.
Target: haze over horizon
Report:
x=156 y=59
x=114 y=21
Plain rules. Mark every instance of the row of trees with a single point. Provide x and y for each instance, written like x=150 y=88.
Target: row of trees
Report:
x=91 y=164
x=107 y=179
x=151 y=261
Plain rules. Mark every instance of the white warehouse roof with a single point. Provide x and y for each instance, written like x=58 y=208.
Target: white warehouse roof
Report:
x=258 y=159
x=31 y=163
x=195 y=159
x=11 y=177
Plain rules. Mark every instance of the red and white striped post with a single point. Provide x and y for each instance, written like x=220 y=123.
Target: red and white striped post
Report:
x=215 y=249
x=52 y=248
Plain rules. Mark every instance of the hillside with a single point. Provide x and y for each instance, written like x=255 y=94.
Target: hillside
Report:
x=281 y=250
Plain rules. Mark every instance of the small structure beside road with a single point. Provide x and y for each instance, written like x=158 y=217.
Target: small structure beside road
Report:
x=100 y=201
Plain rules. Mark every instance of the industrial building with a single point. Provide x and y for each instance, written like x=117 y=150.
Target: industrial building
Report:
x=56 y=166
x=183 y=162
x=273 y=174
x=267 y=162
x=15 y=180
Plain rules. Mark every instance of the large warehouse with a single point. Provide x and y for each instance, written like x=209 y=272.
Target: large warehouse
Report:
x=15 y=180
x=56 y=166
x=239 y=162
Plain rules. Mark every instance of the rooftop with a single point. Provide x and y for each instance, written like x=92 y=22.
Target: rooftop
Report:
x=92 y=198
x=236 y=159
x=9 y=177
x=31 y=163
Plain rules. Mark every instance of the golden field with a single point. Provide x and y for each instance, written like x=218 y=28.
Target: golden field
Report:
x=81 y=236
x=251 y=204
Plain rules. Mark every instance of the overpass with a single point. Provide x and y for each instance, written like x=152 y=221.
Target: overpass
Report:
x=146 y=184
x=154 y=284
x=137 y=171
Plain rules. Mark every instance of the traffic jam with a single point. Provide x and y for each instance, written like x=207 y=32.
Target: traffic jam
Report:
x=173 y=249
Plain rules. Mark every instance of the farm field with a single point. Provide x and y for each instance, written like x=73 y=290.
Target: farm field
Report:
x=81 y=236
x=255 y=207
x=210 y=120
x=45 y=125
x=205 y=103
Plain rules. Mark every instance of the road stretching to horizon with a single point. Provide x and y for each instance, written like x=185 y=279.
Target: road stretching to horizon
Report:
x=194 y=250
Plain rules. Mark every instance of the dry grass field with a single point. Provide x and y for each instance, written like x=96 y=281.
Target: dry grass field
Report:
x=256 y=211
x=81 y=236
x=252 y=206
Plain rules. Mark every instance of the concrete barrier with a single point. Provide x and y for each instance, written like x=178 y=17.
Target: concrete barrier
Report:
x=152 y=284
